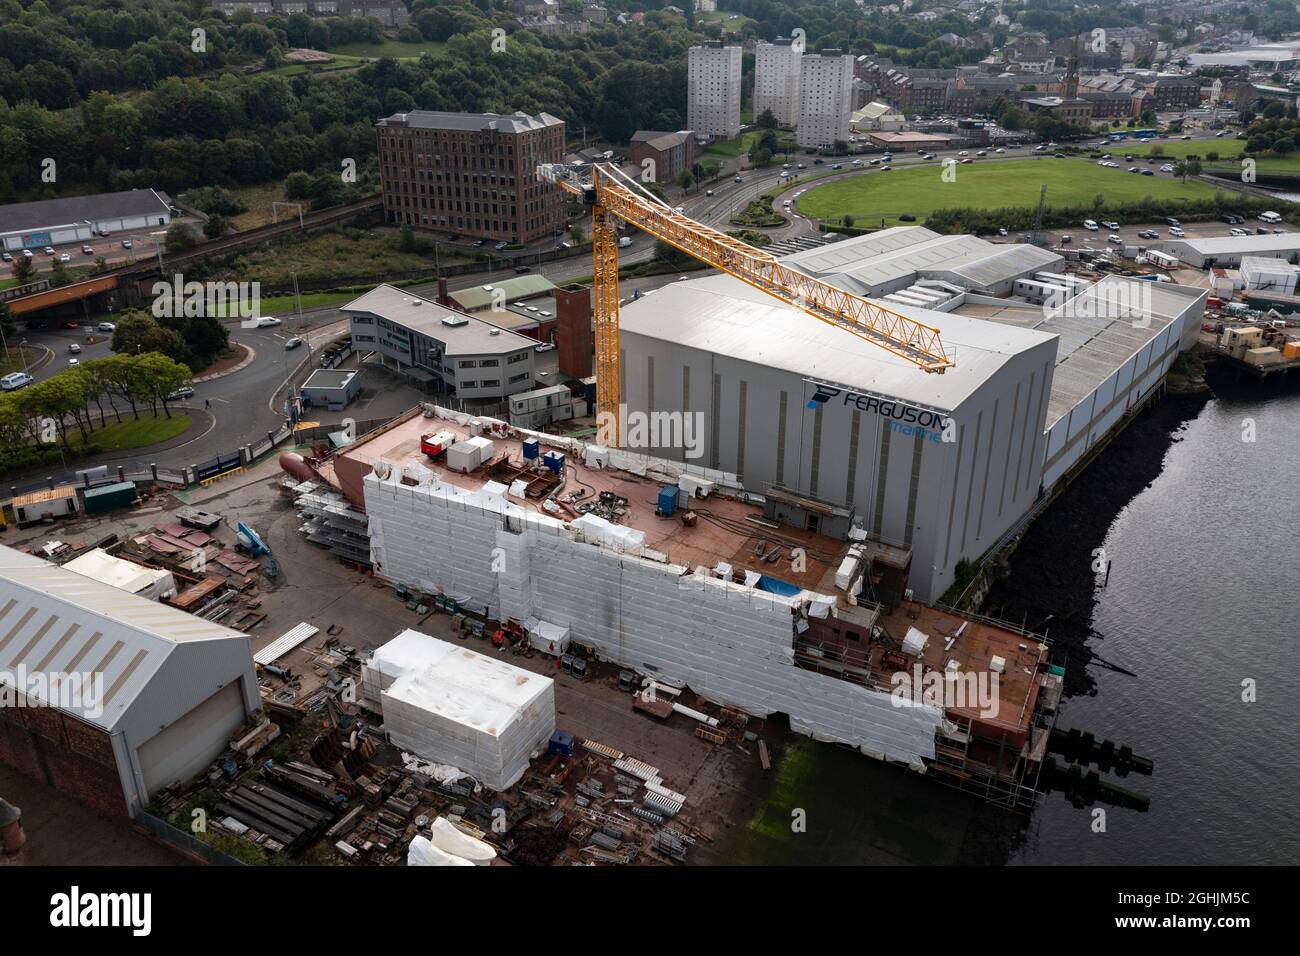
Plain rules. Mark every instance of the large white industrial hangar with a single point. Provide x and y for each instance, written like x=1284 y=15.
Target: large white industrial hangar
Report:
x=1228 y=250
x=792 y=402
x=1034 y=388
x=50 y=222
x=893 y=259
x=169 y=689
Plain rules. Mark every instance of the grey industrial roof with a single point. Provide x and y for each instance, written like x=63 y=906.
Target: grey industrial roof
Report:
x=862 y=264
x=51 y=213
x=723 y=315
x=660 y=140
x=329 y=378
x=520 y=287
x=1100 y=330
x=54 y=621
x=517 y=122
x=1239 y=245
x=474 y=337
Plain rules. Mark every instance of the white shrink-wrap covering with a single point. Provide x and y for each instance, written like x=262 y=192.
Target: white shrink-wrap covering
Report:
x=471 y=711
x=407 y=653
x=732 y=643
x=444 y=835
x=547 y=638
x=423 y=853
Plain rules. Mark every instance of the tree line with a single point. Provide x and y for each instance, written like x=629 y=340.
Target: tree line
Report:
x=36 y=421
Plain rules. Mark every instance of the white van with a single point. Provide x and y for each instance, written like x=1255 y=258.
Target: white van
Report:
x=1270 y=217
x=624 y=242
x=1090 y=225
x=15 y=380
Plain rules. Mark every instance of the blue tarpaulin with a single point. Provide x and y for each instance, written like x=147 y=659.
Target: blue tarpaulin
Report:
x=777 y=586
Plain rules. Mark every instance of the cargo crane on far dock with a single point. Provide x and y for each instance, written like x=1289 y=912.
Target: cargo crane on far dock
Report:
x=613 y=196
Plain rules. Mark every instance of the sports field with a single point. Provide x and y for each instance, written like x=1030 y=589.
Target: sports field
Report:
x=873 y=196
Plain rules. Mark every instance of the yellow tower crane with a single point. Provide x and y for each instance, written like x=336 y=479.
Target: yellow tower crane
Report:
x=613 y=195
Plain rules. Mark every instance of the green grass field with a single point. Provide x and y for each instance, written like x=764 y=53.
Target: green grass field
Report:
x=129 y=433
x=398 y=49
x=724 y=17
x=919 y=192
x=1176 y=148
x=16 y=359
x=730 y=148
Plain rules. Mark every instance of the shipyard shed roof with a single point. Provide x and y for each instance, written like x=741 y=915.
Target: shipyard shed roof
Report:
x=520 y=287
x=725 y=316
x=863 y=264
x=54 y=621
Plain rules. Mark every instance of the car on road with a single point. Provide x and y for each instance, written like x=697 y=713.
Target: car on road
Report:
x=126 y=243
x=1186 y=137
x=74 y=348
x=999 y=150
x=708 y=192
x=27 y=253
x=478 y=243
x=265 y=322
x=838 y=166
x=500 y=245
x=1066 y=240
x=87 y=250
x=1166 y=168
x=520 y=270
x=73 y=361
x=1238 y=231
x=185 y=391
x=740 y=179
x=968 y=160
x=1110 y=224
x=49 y=250
x=1134 y=169
x=982 y=152
x=1176 y=232
x=1148 y=234
x=69 y=324
x=106 y=327
x=1171 y=221
x=15 y=380
x=294 y=342
x=857 y=162
x=1148 y=172
x=1002 y=231
x=64 y=257
x=1114 y=240
x=7 y=257
x=964 y=153
x=544 y=347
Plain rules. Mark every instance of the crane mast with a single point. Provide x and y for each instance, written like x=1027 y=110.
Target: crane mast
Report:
x=614 y=196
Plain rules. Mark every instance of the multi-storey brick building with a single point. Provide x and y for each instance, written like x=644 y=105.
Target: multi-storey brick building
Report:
x=473 y=174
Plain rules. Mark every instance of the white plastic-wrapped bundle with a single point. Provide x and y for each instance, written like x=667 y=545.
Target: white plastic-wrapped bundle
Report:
x=421 y=852
x=445 y=836
x=407 y=652
x=471 y=711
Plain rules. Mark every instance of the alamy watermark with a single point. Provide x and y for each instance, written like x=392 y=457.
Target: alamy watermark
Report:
x=180 y=299
x=968 y=690
x=635 y=430
x=81 y=692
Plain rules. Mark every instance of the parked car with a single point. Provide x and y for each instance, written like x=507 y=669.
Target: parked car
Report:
x=1176 y=232
x=293 y=343
x=544 y=347
x=1114 y=240
x=1238 y=231
x=106 y=327
x=1066 y=240
x=15 y=380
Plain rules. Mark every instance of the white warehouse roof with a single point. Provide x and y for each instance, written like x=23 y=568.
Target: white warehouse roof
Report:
x=724 y=315
x=54 y=621
x=862 y=264
x=469 y=336
x=1238 y=245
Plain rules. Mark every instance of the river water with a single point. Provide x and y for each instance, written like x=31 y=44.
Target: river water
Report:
x=1202 y=597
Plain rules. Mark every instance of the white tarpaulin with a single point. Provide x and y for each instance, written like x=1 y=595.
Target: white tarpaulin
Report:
x=471 y=711
x=547 y=638
x=424 y=853
x=445 y=836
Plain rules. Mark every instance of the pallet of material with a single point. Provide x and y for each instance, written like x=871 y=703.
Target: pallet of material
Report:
x=654 y=706
x=236 y=563
x=196 y=594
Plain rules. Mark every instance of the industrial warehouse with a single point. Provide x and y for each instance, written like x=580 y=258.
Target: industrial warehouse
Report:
x=50 y=222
